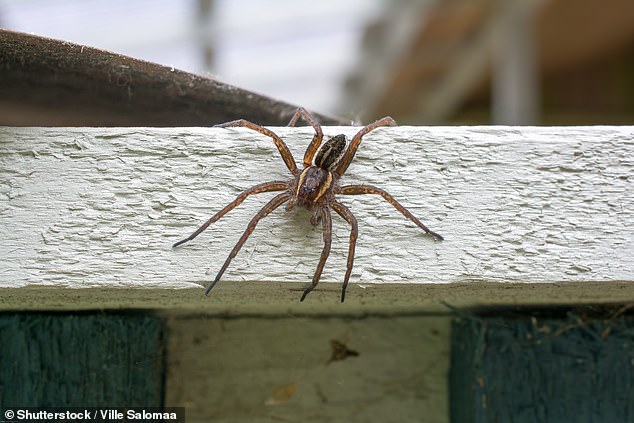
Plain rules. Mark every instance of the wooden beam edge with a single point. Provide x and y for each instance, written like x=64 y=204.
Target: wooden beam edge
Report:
x=282 y=298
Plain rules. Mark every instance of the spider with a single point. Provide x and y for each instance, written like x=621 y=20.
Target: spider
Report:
x=314 y=188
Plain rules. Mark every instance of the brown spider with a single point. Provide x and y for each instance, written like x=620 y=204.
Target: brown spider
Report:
x=313 y=188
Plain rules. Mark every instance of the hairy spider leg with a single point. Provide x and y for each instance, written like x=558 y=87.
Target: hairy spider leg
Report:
x=356 y=140
x=286 y=154
x=369 y=189
x=264 y=211
x=257 y=189
x=344 y=212
x=326 y=220
x=317 y=138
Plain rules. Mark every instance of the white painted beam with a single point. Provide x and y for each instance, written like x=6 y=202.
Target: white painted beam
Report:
x=100 y=207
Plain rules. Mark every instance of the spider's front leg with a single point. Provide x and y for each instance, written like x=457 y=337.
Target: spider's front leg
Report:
x=268 y=208
x=257 y=189
x=326 y=221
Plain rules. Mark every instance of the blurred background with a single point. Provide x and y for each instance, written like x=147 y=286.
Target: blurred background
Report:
x=422 y=62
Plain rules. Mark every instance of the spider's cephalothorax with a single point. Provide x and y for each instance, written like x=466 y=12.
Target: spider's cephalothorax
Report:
x=314 y=188
x=316 y=184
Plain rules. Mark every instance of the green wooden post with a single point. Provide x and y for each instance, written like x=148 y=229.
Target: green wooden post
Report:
x=81 y=360
x=542 y=369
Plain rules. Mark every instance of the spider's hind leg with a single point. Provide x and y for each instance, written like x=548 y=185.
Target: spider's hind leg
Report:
x=286 y=154
x=356 y=140
x=317 y=138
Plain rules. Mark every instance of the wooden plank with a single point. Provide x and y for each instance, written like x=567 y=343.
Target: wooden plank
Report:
x=282 y=369
x=81 y=360
x=541 y=367
x=95 y=207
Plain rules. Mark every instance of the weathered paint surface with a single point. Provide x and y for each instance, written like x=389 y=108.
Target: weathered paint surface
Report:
x=95 y=207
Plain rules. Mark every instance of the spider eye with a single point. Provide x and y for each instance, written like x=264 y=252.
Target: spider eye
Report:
x=330 y=152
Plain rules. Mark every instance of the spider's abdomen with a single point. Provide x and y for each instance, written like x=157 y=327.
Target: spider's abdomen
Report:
x=329 y=154
x=312 y=184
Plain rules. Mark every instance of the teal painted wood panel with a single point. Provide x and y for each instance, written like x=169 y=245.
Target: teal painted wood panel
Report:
x=49 y=359
x=540 y=369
